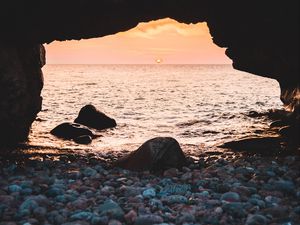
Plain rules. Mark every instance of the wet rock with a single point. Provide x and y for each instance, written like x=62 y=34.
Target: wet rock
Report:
x=99 y=220
x=14 y=188
x=186 y=218
x=149 y=219
x=129 y=191
x=54 y=191
x=257 y=202
x=71 y=131
x=218 y=210
x=284 y=186
x=297 y=210
x=256 y=220
x=285 y=131
x=272 y=200
x=156 y=154
x=175 y=199
x=40 y=213
x=175 y=189
x=89 y=172
x=55 y=217
x=279 y=114
x=204 y=194
x=149 y=193
x=111 y=209
x=91 y=117
x=230 y=197
x=78 y=222
x=29 y=204
x=26 y=191
x=277 y=211
x=235 y=209
x=82 y=216
x=156 y=203
x=84 y=139
x=255 y=114
x=130 y=217
x=291 y=134
x=255 y=144
x=279 y=123
x=114 y=222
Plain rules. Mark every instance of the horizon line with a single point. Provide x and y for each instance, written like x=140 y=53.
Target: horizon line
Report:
x=160 y=64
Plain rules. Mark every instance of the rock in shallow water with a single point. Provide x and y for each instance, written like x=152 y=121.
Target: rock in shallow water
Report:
x=70 y=131
x=156 y=154
x=91 y=117
x=256 y=144
x=84 y=139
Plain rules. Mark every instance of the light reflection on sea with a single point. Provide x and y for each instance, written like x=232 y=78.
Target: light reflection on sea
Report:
x=199 y=105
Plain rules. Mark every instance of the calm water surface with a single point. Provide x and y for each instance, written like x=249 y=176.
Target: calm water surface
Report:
x=199 y=105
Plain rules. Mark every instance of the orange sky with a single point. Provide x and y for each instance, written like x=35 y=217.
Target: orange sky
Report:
x=166 y=39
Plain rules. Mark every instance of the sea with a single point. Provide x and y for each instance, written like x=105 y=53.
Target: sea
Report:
x=201 y=106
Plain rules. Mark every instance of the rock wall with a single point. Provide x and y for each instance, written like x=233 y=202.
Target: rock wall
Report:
x=261 y=37
x=21 y=82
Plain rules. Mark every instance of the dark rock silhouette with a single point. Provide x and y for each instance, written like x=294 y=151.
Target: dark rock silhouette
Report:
x=71 y=131
x=263 y=145
x=91 y=117
x=291 y=134
x=21 y=82
x=84 y=139
x=156 y=154
x=247 y=29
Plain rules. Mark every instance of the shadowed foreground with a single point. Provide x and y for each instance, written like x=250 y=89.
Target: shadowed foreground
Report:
x=215 y=188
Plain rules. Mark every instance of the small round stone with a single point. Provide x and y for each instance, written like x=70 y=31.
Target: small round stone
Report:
x=14 y=188
x=256 y=220
x=230 y=197
x=149 y=193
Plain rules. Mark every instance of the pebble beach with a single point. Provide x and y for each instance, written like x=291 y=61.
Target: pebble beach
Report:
x=220 y=187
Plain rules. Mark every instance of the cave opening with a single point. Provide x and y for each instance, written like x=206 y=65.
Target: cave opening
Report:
x=162 y=181
x=194 y=94
x=23 y=55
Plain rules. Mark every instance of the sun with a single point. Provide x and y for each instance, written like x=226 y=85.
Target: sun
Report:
x=158 y=61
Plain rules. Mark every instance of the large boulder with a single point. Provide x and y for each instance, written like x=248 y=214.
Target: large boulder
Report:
x=91 y=117
x=71 y=131
x=156 y=154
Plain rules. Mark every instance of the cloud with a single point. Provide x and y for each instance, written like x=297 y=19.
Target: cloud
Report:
x=151 y=29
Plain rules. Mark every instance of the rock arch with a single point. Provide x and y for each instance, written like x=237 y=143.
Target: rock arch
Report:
x=261 y=37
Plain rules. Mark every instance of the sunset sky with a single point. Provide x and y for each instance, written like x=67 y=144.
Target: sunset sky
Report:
x=165 y=40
